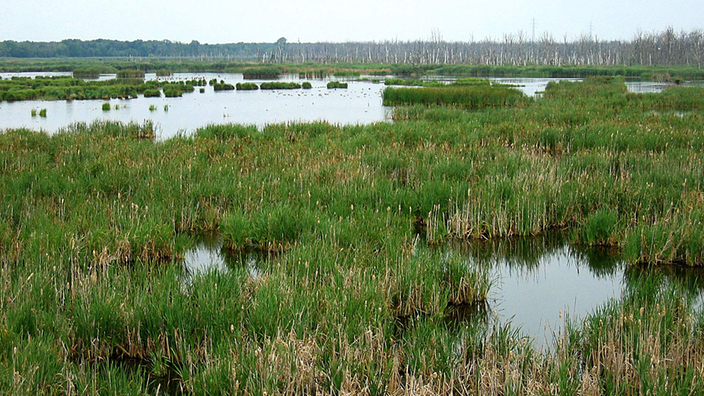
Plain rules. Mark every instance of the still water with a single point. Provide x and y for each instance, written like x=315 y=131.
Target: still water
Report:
x=537 y=282
x=361 y=103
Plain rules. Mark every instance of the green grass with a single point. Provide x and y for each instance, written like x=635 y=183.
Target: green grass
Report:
x=247 y=86
x=349 y=292
x=464 y=95
x=279 y=85
x=262 y=72
x=336 y=84
x=223 y=87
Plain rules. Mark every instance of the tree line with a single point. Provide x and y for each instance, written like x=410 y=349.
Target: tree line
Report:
x=667 y=47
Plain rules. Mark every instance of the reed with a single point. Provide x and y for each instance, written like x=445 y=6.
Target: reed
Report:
x=247 y=86
x=262 y=73
x=348 y=290
x=469 y=96
x=130 y=73
x=86 y=73
x=279 y=85
x=106 y=106
x=336 y=84
x=152 y=93
x=223 y=87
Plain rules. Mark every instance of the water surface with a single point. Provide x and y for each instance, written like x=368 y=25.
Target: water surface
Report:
x=359 y=104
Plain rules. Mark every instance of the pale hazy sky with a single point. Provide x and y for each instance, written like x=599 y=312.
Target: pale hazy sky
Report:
x=211 y=21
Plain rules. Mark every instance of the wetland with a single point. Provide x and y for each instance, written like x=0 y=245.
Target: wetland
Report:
x=512 y=244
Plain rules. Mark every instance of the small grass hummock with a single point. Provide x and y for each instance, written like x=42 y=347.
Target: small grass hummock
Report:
x=223 y=87
x=247 y=86
x=336 y=84
x=279 y=85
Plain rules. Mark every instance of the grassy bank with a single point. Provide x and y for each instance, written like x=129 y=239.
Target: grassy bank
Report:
x=95 y=221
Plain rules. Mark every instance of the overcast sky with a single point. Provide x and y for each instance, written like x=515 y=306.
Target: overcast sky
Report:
x=211 y=21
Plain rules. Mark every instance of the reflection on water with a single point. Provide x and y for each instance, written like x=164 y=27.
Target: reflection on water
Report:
x=540 y=282
x=208 y=255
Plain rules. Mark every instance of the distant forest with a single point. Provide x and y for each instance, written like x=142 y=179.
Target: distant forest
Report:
x=667 y=47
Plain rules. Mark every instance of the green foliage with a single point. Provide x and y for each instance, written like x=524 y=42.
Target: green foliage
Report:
x=262 y=73
x=130 y=73
x=223 y=87
x=247 y=86
x=346 y=73
x=469 y=96
x=106 y=106
x=352 y=290
x=336 y=84
x=152 y=93
x=279 y=85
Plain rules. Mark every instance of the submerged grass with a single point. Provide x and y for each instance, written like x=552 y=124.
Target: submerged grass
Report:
x=349 y=299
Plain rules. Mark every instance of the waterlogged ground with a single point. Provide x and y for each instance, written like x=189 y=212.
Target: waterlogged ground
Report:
x=96 y=224
x=537 y=282
x=359 y=104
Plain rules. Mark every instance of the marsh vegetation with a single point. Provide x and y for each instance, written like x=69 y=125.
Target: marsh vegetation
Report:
x=352 y=294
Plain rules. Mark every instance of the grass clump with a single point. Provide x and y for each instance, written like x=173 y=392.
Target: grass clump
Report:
x=247 y=87
x=106 y=106
x=262 y=73
x=279 y=85
x=336 y=84
x=130 y=73
x=223 y=87
x=469 y=96
x=152 y=93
